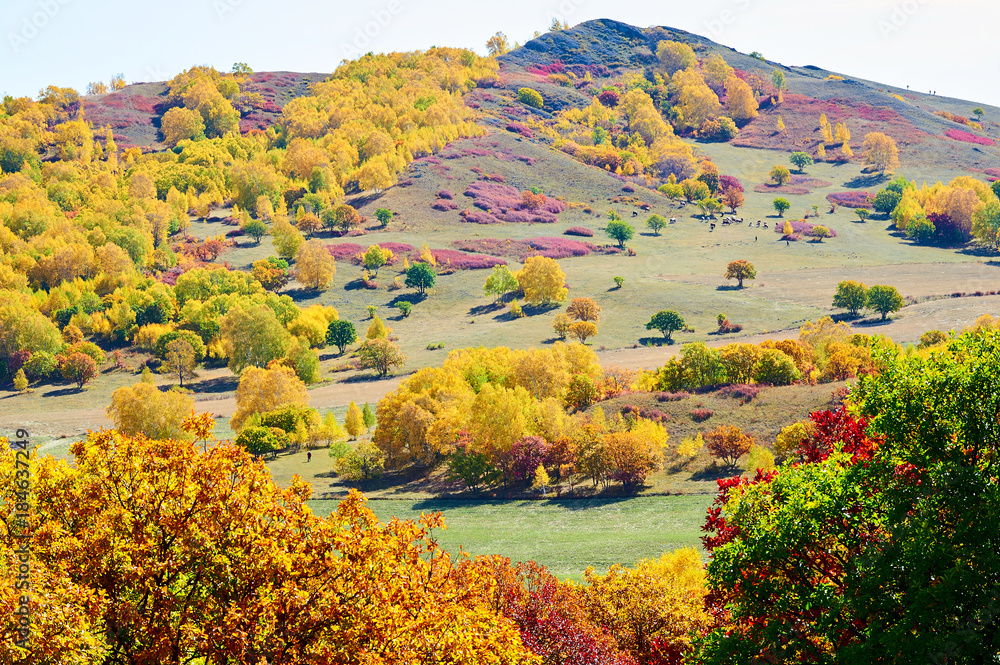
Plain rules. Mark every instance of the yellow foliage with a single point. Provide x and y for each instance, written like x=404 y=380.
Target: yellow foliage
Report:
x=144 y=409
x=262 y=390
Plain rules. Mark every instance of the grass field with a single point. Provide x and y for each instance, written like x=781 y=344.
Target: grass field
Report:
x=566 y=536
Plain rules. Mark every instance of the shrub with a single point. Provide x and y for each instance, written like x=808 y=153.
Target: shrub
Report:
x=852 y=199
x=633 y=412
x=740 y=391
x=776 y=368
x=701 y=415
x=444 y=205
x=521 y=129
x=803 y=228
x=728 y=444
x=672 y=397
x=530 y=97
x=579 y=231
x=961 y=135
x=462 y=260
x=759 y=459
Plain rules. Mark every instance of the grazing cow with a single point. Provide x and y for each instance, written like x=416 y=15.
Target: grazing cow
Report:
x=725 y=222
x=635 y=214
x=758 y=223
x=765 y=225
x=713 y=227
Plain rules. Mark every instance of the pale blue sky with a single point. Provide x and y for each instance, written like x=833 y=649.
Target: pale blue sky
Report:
x=944 y=45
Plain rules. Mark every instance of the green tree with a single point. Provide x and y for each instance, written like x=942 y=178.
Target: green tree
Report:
x=978 y=112
x=421 y=277
x=778 y=79
x=375 y=258
x=862 y=213
x=620 y=231
x=471 y=467
x=262 y=441
x=886 y=201
x=986 y=224
x=368 y=416
x=342 y=334
x=667 y=322
x=801 y=160
x=656 y=223
x=364 y=462
x=256 y=229
x=180 y=359
x=740 y=270
x=252 y=336
x=921 y=230
x=781 y=204
x=884 y=299
x=851 y=295
x=384 y=216
x=404 y=307
x=619 y=281
x=500 y=282
x=530 y=97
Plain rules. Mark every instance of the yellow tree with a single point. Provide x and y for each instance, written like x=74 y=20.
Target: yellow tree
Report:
x=143 y=409
x=542 y=280
x=315 y=266
x=584 y=309
x=180 y=359
x=881 y=152
x=740 y=101
x=497 y=45
x=179 y=124
x=262 y=390
x=675 y=56
x=695 y=101
x=354 y=422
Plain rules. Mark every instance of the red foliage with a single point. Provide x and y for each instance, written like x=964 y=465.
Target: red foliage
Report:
x=344 y=251
x=526 y=454
x=838 y=427
x=701 y=415
x=642 y=412
x=519 y=128
x=960 y=135
x=506 y=203
x=609 y=98
x=450 y=258
x=714 y=522
x=727 y=182
x=445 y=194
x=579 y=231
x=556 y=67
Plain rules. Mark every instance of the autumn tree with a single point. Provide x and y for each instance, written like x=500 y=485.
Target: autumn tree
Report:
x=497 y=45
x=740 y=270
x=733 y=198
x=263 y=390
x=667 y=322
x=884 y=299
x=583 y=330
x=180 y=359
x=252 y=336
x=780 y=175
x=728 y=444
x=380 y=355
x=144 y=409
x=363 y=462
x=780 y=125
x=542 y=281
x=881 y=152
x=986 y=224
x=287 y=238
x=584 y=309
x=740 y=100
x=353 y=421
x=851 y=295
x=342 y=334
x=77 y=367
x=315 y=266
x=862 y=213
x=781 y=205
x=377 y=329
x=255 y=229
x=675 y=56
x=180 y=124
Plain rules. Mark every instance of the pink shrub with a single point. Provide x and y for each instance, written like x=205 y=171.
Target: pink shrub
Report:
x=960 y=135
x=742 y=392
x=852 y=199
x=579 y=231
x=445 y=194
x=503 y=202
x=642 y=412
x=553 y=248
x=344 y=251
x=444 y=205
x=397 y=248
x=995 y=172
x=609 y=98
x=559 y=248
x=478 y=217
x=462 y=260
x=672 y=397
x=519 y=128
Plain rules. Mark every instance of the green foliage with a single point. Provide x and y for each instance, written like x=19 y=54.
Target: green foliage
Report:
x=471 y=467
x=384 y=216
x=656 y=223
x=304 y=360
x=160 y=350
x=781 y=204
x=667 y=322
x=368 y=416
x=778 y=79
x=364 y=462
x=698 y=365
x=620 y=231
x=619 y=281
x=530 y=97
x=776 y=368
x=851 y=296
x=921 y=230
x=886 y=201
x=421 y=277
x=261 y=441
x=255 y=229
x=780 y=175
x=288 y=418
x=800 y=160
x=884 y=299
x=862 y=213
x=40 y=365
x=500 y=282
x=581 y=392
x=404 y=307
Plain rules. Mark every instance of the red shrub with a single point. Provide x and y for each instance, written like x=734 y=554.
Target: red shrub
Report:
x=960 y=135
x=701 y=415
x=444 y=205
x=521 y=129
x=344 y=251
x=445 y=194
x=740 y=391
x=671 y=397
x=461 y=260
x=609 y=98
x=579 y=231
x=852 y=199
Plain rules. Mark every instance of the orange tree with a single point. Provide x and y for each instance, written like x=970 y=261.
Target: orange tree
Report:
x=162 y=552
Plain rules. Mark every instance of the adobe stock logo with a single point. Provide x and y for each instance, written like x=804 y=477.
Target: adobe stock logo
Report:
x=31 y=25
x=899 y=16
x=363 y=35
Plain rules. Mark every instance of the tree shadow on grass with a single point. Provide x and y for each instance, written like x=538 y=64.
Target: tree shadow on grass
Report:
x=713 y=473
x=301 y=293
x=222 y=384
x=729 y=287
x=872 y=323
x=412 y=298
x=62 y=392
x=979 y=250
x=656 y=341
x=360 y=201
x=482 y=310
x=865 y=181
x=354 y=285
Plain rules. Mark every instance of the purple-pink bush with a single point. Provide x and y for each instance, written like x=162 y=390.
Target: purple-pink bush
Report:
x=506 y=203
x=642 y=412
x=444 y=205
x=553 y=248
x=445 y=194
x=461 y=260
x=579 y=231
x=344 y=251
x=740 y=391
x=701 y=415
x=520 y=128
x=672 y=397
x=852 y=199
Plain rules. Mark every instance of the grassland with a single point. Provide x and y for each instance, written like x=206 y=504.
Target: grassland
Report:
x=567 y=536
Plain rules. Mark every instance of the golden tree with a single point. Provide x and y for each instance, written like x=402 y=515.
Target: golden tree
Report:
x=262 y=390
x=179 y=124
x=144 y=409
x=584 y=309
x=675 y=56
x=542 y=280
x=353 y=421
x=315 y=266
x=740 y=100
x=180 y=359
x=881 y=152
